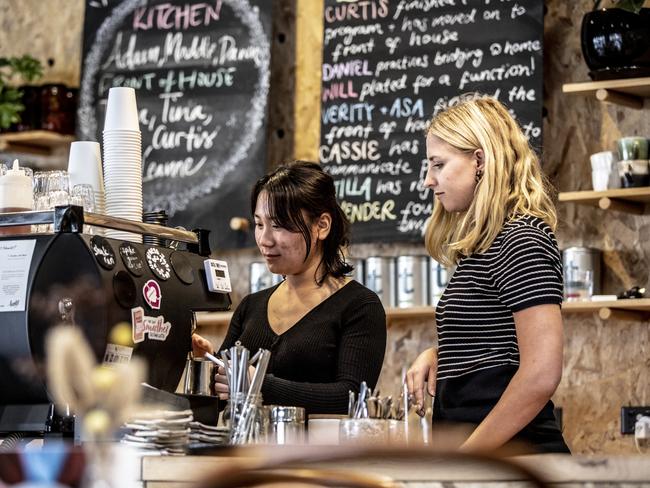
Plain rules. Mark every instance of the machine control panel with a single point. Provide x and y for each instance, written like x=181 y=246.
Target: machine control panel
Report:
x=217 y=276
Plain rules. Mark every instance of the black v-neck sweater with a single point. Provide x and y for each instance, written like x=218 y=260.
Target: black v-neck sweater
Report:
x=328 y=352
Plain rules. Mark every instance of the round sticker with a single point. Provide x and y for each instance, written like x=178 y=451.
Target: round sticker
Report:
x=182 y=267
x=132 y=258
x=103 y=252
x=158 y=263
x=152 y=294
x=124 y=289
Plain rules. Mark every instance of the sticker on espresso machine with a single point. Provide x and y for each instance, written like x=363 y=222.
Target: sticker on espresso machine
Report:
x=15 y=264
x=152 y=294
x=158 y=263
x=155 y=328
x=132 y=259
x=116 y=354
x=217 y=276
x=103 y=252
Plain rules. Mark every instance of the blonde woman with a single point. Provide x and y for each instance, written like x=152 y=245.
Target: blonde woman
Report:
x=499 y=355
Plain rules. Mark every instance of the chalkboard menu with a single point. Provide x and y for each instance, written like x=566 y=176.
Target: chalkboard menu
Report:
x=388 y=66
x=201 y=75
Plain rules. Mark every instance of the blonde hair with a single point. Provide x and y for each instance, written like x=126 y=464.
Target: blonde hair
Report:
x=512 y=183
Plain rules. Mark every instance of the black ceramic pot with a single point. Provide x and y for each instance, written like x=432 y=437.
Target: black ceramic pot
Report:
x=616 y=43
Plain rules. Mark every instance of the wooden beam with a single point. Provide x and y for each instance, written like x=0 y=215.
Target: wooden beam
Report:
x=607 y=203
x=604 y=95
x=606 y=313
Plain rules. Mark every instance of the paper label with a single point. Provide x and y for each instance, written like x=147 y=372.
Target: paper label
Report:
x=15 y=262
x=117 y=354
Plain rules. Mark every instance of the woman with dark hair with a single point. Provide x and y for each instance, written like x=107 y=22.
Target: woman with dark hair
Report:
x=326 y=332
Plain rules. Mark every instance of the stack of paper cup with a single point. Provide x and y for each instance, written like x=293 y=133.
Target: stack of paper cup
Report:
x=85 y=168
x=123 y=160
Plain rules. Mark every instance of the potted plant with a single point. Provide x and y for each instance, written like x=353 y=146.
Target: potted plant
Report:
x=27 y=69
x=616 y=41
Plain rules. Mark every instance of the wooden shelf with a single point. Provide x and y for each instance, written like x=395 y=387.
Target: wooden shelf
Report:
x=219 y=319
x=630 y=200
x=40 y=142
x=629 y=92
x=630 y=309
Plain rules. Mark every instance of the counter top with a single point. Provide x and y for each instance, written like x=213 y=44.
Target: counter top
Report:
x=161 y=472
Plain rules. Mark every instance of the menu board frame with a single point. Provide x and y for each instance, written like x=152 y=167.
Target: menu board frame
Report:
x=201 y=70
x=388 y=67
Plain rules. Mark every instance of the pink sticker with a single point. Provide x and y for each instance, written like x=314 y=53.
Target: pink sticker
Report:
x=152 y=294
x=137 y=324
x=154 y=327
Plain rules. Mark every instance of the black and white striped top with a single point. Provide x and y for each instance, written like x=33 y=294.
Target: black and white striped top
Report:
x=474 y=317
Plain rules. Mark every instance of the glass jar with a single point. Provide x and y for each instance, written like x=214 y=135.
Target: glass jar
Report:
x=363 y=431
x=247 y=419
x=58 y=105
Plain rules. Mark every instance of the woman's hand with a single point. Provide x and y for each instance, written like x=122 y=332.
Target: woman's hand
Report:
x=221 y=384
x=221 y=388
x=200 y=345
x=423 y=371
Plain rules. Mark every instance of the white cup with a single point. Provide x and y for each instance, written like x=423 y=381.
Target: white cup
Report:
x=602 y=160
x=121 y=109
x=85 y=165
x=599 y=180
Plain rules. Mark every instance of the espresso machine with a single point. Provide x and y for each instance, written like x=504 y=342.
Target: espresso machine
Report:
x=93 y=282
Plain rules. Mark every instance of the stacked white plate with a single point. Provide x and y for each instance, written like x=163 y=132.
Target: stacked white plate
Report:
x=164 y=432
x=208 y=434
x=122 y=160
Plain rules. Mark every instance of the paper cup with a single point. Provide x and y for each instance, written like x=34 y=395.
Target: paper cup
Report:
x=121 y=109
x=85 y=165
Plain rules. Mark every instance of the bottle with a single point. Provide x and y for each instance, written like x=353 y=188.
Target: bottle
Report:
x=16 y=195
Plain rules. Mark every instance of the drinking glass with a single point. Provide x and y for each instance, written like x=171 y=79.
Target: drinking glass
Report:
x=58 y=188
x=58 y=181
x=579 y=284
x=363 y=431
x=41 y=202
x=39 y=183
x=84 y=196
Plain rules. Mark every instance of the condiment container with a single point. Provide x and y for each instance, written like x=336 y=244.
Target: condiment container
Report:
x=16 y=195
x=412 y=278
x=287 y=425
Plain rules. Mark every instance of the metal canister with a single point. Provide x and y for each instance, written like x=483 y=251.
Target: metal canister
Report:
x=412 y=278
x=261 y=278
x=358 y=272
x=582 y=259
x=287 y=425
x=198 y=376
x=438 y=279
x=380 y=278
x=159 y=217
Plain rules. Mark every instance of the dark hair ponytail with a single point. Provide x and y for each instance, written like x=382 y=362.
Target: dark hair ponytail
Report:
x=302 y=186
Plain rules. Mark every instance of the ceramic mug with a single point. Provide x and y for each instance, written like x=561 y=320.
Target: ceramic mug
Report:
x=634 y=173
x=632 y=148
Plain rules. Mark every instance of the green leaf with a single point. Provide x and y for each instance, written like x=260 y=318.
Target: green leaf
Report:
x=10 y=113
x=630 y=5
x=27 y=66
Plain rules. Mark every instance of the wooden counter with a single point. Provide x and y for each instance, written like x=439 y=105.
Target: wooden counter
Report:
x=181 y=472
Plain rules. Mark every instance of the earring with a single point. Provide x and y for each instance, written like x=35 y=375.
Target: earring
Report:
x=479 y=175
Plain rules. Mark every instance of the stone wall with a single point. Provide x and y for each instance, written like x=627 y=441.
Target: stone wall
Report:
x=607 y=363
